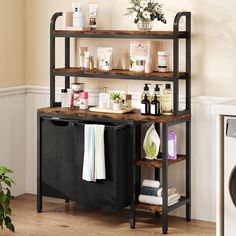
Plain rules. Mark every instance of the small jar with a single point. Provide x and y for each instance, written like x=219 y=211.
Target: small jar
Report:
x=140 y=66
x=163 y=61
x=83 y=100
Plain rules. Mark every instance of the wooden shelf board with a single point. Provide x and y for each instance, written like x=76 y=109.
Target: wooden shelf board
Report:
x=133 y=116
x=158 y=163
x=157 y=208
x=118 y=74
x=131 y=34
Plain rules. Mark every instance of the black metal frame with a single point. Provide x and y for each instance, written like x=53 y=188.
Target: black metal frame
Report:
x=135 y=127
x=136 y=172
x=177 y=34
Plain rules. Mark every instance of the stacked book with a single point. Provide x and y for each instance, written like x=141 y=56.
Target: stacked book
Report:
x=151 y=193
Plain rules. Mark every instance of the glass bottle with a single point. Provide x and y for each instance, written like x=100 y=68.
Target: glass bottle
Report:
x=167 y=103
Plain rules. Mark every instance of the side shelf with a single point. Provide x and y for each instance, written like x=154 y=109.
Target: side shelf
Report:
x=159 y=162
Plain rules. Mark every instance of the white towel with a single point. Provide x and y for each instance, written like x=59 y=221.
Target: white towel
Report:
x=100 y=169
x=89 y=161
x=158 y=200
x=151 y=183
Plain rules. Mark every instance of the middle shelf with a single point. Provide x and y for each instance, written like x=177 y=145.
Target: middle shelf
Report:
x=159 y=162
x=119 y=74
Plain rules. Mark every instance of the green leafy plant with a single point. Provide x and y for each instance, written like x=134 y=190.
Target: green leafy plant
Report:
x=5 y=198
x=146 y=10
x=115 y=97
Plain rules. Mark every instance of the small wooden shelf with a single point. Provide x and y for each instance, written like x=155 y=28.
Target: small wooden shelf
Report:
x=118 y=74
x=158 y=163
x=133 y=116
x=131 y=34
x=157 y=208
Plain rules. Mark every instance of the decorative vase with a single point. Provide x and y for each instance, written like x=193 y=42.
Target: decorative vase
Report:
x=145 y=25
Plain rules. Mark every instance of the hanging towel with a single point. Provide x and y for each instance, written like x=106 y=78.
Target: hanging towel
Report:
x=151 y=143
x=89 y=155
x=100 y=170
x=158 y=200
x=151 y=183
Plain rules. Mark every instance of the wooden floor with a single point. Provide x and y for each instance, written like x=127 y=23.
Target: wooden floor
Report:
x=63 y=219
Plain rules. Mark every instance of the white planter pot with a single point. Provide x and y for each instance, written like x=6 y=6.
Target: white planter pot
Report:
x=116 y=106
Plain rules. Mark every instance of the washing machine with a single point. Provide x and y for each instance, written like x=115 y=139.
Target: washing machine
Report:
x=230 y=176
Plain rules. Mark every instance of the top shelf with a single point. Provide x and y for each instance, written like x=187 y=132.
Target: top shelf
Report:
x=124 y=34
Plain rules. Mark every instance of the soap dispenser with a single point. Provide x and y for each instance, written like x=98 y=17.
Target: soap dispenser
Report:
x=158 y=96
x=167 y=104
x=105 y=99
x=146 y=92
x=145 y=106
x=155 y=106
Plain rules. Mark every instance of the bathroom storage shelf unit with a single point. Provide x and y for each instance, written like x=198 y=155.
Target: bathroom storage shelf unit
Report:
x=134 y=119
x=175 y=76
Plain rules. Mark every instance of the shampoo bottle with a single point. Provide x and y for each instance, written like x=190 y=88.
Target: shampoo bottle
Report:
x=145 y=106
x=146 y=92
x=78 y=16
x=158 y=95
x=167 y=104
x=155 y=107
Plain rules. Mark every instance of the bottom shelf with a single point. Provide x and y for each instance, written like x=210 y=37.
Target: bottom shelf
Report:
x=157 y=208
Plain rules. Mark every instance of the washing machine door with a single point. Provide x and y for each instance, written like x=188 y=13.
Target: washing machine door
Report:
x=232 y=186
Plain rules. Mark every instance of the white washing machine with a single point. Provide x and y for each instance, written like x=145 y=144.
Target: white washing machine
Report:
x=229 y=176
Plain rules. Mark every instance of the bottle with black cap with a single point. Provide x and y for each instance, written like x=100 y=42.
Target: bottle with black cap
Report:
x=167 y=103
x=146 y=92
x=145 y=106
x=157 y=93
x=155 y=106
x=64 y=98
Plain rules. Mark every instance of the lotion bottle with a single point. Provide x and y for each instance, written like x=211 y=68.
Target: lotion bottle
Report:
x=158 y=95
x=145 y=106
x=146 y=92
x=155 y=107
x=167 y=104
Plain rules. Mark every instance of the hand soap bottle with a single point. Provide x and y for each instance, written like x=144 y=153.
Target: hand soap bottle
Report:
x=167 y=104
x=155 y=106
x=158 y=96
x=105 y=99
x=146 y=92
x=145 y=106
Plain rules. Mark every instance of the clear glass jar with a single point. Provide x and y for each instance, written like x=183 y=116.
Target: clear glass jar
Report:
x=145 y=25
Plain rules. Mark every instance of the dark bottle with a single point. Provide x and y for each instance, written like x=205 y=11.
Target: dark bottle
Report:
x=155 y=106
x=145 y=106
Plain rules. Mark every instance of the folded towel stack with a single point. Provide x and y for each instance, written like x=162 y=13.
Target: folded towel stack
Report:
x=151 y=193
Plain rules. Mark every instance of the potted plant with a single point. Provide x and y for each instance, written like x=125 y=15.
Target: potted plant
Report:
x=5 y=198
x=115 y=97
x=145 y=12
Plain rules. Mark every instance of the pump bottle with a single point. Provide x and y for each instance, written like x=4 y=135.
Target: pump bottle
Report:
x=146 y=92
x=158 y=95
x=167 y=104
x=145 y=106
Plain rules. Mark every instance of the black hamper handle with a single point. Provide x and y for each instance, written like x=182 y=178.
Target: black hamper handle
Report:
x=60 y=122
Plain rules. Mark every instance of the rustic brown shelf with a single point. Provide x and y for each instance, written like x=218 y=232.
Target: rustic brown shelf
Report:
x=135 y=34
x=118 y=74
x=133 y=116
x=158 y=163
x=157 y=208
